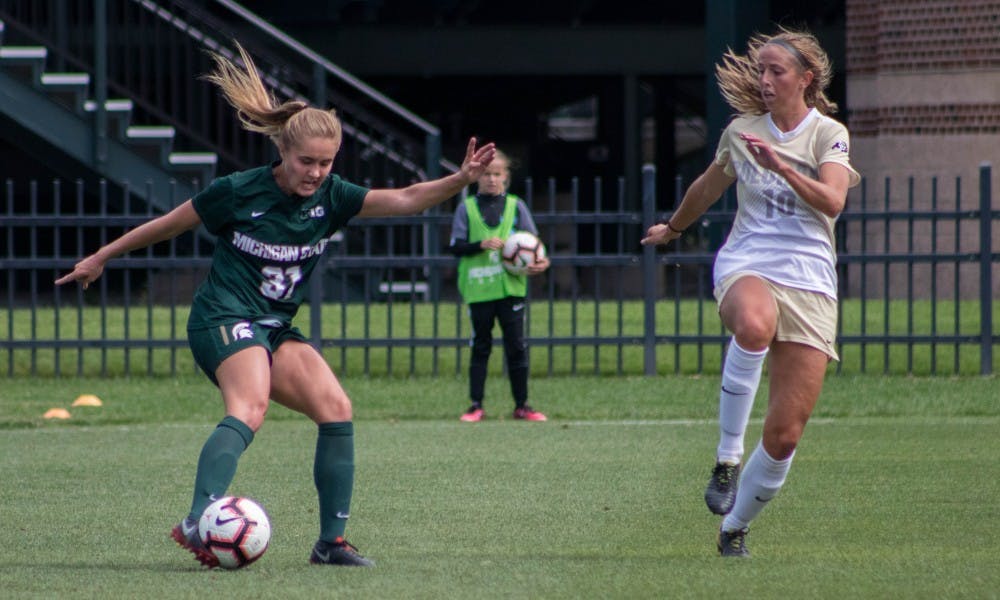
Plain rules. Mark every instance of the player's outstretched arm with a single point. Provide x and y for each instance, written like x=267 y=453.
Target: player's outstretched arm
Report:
x=699 y=196
x=170 y=225
x=421 y=196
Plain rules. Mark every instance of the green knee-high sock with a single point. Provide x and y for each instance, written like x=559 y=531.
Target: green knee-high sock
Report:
x=217 y=463
x=333 y=473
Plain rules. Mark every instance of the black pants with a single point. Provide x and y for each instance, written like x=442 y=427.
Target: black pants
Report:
x=510 y=313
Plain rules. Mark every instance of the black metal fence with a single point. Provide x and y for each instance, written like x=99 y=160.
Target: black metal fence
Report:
x=918 y=287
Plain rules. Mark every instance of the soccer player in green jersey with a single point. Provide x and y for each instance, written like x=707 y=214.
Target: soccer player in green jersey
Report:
x=272 y=224
x=775 y=277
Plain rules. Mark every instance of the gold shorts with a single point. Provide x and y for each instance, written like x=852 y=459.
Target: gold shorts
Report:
x=804 y=317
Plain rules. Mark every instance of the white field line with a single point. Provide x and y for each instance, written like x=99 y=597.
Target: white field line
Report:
x=207 y=426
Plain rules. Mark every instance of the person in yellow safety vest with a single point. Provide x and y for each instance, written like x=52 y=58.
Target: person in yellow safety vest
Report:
x=478 y=230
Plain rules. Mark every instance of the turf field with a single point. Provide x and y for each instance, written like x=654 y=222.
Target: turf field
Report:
x=892 y=494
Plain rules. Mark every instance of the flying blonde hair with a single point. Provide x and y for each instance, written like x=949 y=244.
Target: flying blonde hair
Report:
x=285 y=123
x=739 y=79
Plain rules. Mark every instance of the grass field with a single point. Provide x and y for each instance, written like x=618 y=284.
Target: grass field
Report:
x=892 y=493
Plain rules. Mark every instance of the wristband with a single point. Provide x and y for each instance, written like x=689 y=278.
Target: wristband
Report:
x=671 y=227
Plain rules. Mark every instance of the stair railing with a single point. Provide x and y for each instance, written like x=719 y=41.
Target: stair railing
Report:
x=154 y=51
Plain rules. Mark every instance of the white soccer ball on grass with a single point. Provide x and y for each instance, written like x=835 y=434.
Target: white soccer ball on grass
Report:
x=236 y=530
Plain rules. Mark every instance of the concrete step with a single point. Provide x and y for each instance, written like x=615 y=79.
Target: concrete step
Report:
x=24 y=58
x=73 y=86
x=155 y=138
x=153 y=134
x=23 y=53
x=119 y=112
x=193 y=158
x=160 y=140
x=202 y=163
x=111 y=105
x=65 y=80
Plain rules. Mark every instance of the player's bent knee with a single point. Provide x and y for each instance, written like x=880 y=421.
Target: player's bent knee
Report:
x=753 y=332
x=341 y=407
x=754 y=339
x=328 y=408
x=253 y=415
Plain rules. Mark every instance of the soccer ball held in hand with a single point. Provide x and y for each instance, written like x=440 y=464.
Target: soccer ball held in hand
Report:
x=521 y=250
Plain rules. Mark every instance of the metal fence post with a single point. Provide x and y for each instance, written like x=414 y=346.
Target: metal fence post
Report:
x=100 y=83
x=649 y=271
x=432 y=238
x=316 y=283
x=985 y=270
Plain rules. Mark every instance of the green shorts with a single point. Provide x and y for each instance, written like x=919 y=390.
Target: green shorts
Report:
x=213 y=345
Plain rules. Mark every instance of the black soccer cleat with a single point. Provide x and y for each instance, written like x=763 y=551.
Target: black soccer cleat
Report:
x=733 y=543
x=720 y=494
x=338 y=552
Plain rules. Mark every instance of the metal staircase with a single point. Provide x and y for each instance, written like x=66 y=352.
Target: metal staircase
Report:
x=114 y=84
x=145 y=58
x=59 y=107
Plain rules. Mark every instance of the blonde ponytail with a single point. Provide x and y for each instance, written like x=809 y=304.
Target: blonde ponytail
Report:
x=258 y=110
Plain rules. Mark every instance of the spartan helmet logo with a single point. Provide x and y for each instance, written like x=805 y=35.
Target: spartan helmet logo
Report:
x=242 y=331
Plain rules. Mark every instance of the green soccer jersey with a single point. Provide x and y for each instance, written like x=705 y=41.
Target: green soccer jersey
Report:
x=268 y=245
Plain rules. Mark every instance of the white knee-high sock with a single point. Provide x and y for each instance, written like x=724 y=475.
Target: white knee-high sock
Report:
x=759 y=483
x=740 y=378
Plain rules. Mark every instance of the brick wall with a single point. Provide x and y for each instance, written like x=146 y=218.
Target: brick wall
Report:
x=923 y=93
x=915 y=35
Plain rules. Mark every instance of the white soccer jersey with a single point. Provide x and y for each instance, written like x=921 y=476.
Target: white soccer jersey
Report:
x=776 y=234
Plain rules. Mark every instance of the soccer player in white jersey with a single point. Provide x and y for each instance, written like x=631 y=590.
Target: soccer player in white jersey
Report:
x=775 y=277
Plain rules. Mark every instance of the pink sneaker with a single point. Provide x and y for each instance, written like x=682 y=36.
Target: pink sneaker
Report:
x=526 y=413
x=473 y=415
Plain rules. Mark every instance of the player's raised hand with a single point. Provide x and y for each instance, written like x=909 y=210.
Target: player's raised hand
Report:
x=85 y=271
x=762 y=152
x=476 y=161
